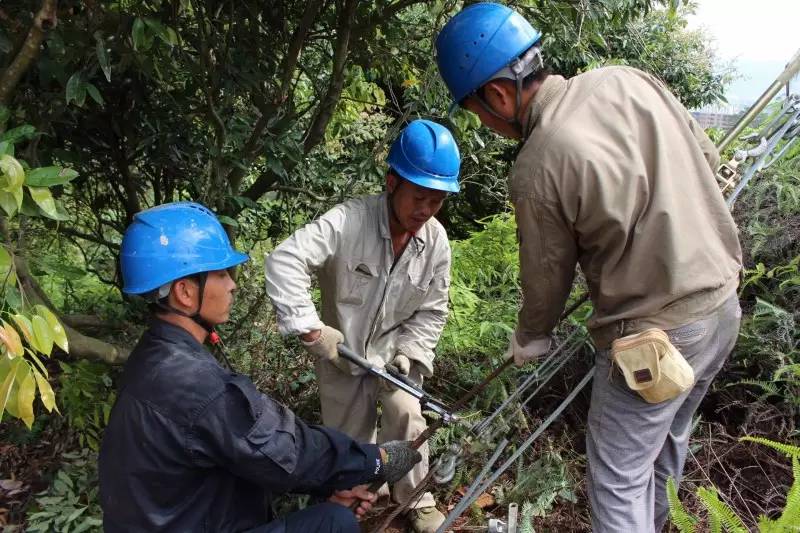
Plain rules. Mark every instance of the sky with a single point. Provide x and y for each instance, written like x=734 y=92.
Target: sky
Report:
x=760 y=37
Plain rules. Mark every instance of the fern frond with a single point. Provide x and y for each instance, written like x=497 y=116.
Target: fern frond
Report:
x=791 y=511
x=525 y=524
x=767 y=387
x=787 y=369
x=787 y=449
x=767 y=525
x=681 y=518
x=719 y=513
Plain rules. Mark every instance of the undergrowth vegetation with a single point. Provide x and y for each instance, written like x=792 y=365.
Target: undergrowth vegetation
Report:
x=147 y=108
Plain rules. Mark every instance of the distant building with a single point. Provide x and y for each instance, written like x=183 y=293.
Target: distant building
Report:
x=715 y=120
x=722 y=116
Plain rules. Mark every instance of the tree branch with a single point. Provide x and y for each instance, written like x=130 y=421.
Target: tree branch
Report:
x=316 y=130
x=81 y=345
x=299 y=190
x=263 y=183
x=295 y=46
x=209 y=64
x=383 y=16
x=80 y=235
x=44 y=20
x=251 y=148
x=80 y=321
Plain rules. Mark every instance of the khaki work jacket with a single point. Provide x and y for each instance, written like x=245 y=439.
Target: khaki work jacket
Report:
x=379 y=304
x=617 y=176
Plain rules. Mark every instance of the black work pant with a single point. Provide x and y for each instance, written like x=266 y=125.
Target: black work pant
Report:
x=323 y=518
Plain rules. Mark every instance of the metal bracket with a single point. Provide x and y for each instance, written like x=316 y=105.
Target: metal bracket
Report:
x=498 y=526
x=445 y=468
x=401 y=382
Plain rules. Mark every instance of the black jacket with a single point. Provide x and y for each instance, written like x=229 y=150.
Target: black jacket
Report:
x=191 y=446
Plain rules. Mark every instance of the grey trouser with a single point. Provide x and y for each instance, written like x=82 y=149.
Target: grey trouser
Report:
x=634 y=446
x=350 y=404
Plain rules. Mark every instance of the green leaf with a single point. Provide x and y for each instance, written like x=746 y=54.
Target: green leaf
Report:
x=10 y=337
x=44 y=199
x=25 y=326
x=12 y=175
x=38 y=363
x=6 y=148
x=94 y=93
x=8 y=202
x=57 y=267
x=49 y=176
x=139 y=35
x=45 y=391
x=44 y=337
x=12 y=297
x=75 y=514
x=4 y=114
x=169 y=36
x=7 y=274
x=228 y=221
x=7 y=383
x=60 y=214
x=56 y=329
x=19 y=133
x=103 y=58
x=76 y=89
x=26 y=394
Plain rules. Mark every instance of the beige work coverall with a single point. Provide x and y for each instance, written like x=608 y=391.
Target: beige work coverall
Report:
x=615 y=175
x=378 y=302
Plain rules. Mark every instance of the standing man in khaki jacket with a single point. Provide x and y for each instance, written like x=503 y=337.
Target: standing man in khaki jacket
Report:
x=615 y=175
x=383 y=265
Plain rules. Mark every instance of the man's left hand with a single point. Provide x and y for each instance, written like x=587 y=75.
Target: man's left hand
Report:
x=402 y=363
x=358 y=494
x=526 y=353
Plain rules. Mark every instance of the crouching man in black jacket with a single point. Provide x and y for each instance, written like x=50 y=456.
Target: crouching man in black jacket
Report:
x=191 y=446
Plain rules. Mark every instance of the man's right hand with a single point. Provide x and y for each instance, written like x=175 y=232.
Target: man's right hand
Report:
x=322 y=343
x=359 y=494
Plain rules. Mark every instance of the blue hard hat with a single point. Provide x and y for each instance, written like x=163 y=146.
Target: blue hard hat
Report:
x=480 y=40
x=172 y=241
x=426 y=154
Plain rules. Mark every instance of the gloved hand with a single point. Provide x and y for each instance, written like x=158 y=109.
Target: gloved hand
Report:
x=529 y=352
x=402 y=363
x=325 y=345
x=400 y=459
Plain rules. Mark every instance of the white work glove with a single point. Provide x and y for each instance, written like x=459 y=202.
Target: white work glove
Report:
x=402 y=363
x=529 y=352
x=325 y=346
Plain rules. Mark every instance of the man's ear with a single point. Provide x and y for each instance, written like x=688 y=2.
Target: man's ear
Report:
x=499 y=94
x=391 y=181
x=183 y=293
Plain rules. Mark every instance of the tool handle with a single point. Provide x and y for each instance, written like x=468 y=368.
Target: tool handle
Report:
x=354 y=358
x=391 y=370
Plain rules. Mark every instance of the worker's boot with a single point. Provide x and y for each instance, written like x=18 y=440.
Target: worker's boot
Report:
x=426 y=519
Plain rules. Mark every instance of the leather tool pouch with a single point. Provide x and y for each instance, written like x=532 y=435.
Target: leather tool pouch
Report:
x=652 y=366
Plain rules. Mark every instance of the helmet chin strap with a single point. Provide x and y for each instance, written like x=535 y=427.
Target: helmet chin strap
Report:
x=530 y=62
x=199 y=320
x=213 y=336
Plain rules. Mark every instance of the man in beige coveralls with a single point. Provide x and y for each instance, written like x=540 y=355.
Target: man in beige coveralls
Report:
x=383 y=264
x=615 y=175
